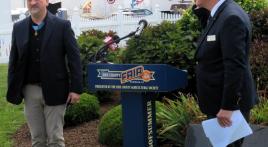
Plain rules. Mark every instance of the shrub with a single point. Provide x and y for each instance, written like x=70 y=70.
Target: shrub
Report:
x=110 y=127
x=259 y=50
x=259 y=113
x=250 y=5
x=174 y=117
x=89 y=43
x=259 y=63
x=167 y=43
x=260 y=23
x=87 y=109
x=103 y=96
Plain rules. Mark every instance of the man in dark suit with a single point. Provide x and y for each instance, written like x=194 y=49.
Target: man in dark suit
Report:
x=224 y=79
x=45 y=70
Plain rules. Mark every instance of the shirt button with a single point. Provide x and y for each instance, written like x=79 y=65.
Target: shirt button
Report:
x=37 y=50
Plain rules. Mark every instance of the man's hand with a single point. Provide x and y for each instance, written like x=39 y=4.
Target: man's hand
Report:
x=224 y=118
x=73 y=98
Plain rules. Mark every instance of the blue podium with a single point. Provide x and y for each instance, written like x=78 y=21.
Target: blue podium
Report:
x=137 y=84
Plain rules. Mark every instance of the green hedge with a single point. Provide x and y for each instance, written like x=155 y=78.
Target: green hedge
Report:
x=110 y=127
x=87 y=109
x=167 y=43
x=252 y=5
x=259 y=49
x=260 y=23
x=89 y=43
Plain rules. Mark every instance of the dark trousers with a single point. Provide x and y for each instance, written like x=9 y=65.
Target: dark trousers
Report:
x=239 y=142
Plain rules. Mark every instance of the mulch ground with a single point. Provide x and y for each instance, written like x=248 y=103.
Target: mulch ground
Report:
x=83 y=135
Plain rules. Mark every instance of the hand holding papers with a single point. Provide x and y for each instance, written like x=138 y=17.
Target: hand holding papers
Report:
x=221 y=137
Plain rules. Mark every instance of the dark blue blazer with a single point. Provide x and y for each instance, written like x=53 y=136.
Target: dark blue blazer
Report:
x=224 y=78
x=60 y=65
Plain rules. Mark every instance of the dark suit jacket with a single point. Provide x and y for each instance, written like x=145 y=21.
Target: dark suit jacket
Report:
x=224 y=79
x=59 y=53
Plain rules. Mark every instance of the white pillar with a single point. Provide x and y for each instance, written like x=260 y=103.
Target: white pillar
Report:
x=5 y=14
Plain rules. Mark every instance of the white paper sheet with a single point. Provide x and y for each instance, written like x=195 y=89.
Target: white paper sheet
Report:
x=221 y=137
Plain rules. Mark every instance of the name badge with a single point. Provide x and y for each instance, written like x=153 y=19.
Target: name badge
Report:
x=211 y=38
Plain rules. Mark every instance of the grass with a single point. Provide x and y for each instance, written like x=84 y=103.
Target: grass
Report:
x=259 y=113
x=11 y=116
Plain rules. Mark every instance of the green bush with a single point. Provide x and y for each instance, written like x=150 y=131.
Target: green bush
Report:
x=259 y=114
x=259 y=63
x=250 y=5
x=110 y=127
x=260 y=23
x=103 y=96
x=89 y=43
x=173 y=116
x=259 y=50
x=87 y=109
x=167 y=43
x=172 y=119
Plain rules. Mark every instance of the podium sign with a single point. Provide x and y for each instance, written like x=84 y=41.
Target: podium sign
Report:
x=137 y=84
x=135 y=78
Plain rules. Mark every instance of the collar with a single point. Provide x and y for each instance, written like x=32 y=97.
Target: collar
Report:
x=38 y=27
x=216 y=7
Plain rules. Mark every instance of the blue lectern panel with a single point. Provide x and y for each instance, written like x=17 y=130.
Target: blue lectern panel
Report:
x=139 y=78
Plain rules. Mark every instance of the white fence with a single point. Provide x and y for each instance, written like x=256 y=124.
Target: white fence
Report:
x=5 y=45
x=122 y=24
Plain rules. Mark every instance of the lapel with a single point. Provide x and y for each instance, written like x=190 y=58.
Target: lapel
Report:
x=48 y=31
x=210 y=25
x=24 y=35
